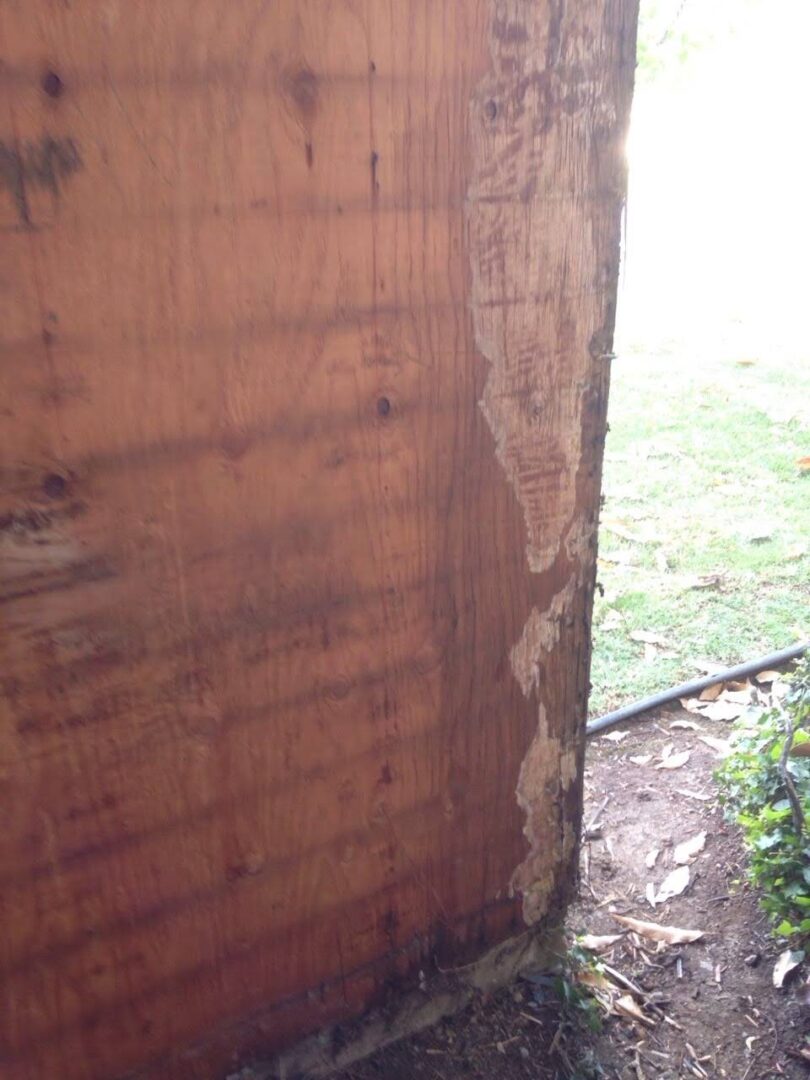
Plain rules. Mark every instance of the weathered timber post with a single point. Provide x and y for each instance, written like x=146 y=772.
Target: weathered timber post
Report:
x=307 y=314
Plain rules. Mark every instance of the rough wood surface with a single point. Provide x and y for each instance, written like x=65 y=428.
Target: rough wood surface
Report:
x=305 y=309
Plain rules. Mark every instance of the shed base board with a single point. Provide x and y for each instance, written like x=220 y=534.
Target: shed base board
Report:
x=445 y=994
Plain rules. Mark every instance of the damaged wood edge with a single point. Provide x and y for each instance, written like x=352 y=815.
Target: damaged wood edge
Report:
x=548 y=771
x=442 y=995
x=506 y=212
x=543 y=274
x=540 y=635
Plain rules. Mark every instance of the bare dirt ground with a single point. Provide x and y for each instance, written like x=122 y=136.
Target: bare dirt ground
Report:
x=714 y=1009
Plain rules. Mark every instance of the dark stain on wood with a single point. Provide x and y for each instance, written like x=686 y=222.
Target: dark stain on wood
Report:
x=302 y=86
x=52 y=84
x=45 y=164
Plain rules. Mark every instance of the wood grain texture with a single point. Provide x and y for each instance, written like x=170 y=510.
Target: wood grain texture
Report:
x=305 y=308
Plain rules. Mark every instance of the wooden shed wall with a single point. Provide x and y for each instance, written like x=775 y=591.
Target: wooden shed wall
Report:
x=306 y=309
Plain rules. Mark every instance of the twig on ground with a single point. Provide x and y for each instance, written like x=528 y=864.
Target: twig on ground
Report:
x=586 y=876
x=595 y=819
x=625 y=982
x=557 y=1036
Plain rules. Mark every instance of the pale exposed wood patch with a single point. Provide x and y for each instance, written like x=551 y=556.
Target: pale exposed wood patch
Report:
x=540 y=634
x=543 y=208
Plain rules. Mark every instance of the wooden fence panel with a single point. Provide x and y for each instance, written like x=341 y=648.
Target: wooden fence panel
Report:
x=306 y=314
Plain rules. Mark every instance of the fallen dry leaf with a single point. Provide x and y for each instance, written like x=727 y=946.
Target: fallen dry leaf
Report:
x=641 y=759
x=649 y=892
x=651 y=857
x=788 y=961
x=626 y=1006
x=693 y=794
x=598 y=942
x=722 y=709
x=738 y=684
x=706 y=581
x=674 y=761
x=647 y=637
x=767 y=676
x=692 y=705
x=673 y=884
x=685 y=725
x=720 y=746
x=688 y=850
x=803 y=463
x=616 y=736
x=612 y=620
x=596 y=980
x=670 y=935
x=739 y=697
x=618 y=529
x=620 y=558
x=711 y=693
x=802 y=750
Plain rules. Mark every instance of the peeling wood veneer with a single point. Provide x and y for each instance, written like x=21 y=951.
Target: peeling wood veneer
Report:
x=543 y=212
x=540 y=634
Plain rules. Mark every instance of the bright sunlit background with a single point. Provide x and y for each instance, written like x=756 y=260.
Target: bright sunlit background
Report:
x=718 y=229
x=706 y=527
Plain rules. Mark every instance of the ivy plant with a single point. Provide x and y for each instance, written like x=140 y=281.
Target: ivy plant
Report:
x=765 y=787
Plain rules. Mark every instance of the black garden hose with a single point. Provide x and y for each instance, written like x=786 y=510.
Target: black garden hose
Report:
x=689 y=689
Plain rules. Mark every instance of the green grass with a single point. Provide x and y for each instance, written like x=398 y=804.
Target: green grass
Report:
x=701 y=473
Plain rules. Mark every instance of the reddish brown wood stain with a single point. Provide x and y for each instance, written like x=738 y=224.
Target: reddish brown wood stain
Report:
x=275 y=628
